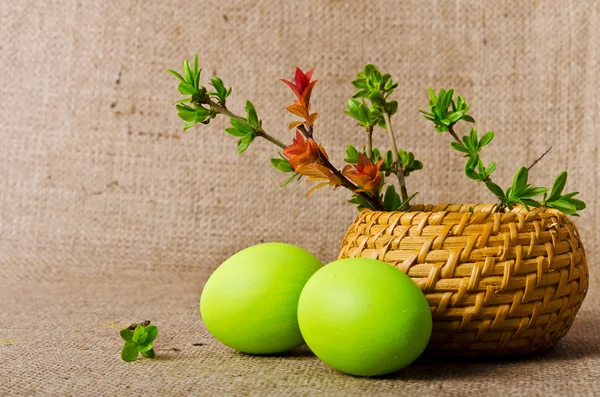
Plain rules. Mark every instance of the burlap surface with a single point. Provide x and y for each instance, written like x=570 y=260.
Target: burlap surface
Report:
x=109 y=213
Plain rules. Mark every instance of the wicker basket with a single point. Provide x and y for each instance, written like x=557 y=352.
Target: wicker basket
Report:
x=497 y=283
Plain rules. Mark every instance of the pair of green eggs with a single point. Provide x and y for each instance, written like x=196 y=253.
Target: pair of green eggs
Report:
x=361 y=316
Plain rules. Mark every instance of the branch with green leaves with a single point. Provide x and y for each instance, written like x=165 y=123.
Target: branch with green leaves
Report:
x=444 y=112
x=202 y=105
x=139 y=338
x=370 y=107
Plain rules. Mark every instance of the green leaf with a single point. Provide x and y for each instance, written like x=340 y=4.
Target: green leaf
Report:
x=152 y=333
x=473 y=137
x=196 y=70
x=245 y=142
x=252 y=116
x=189 y=76
x=218 y=84
x=127 y=335
x=469 y=144
x=558 y=187
x=235 y=132
x=139 y=331
x=520 y=181
x=242 y=146
x=564 y=206
x=129 y=352
x=364 y=115
x=189 y=125
x=472 y=174
x=174 y=73
x=360 y=83
x=391 y=199
x=459 y=147
x=186 y=89
x=289 y=180
x=432 y=97
x=149 y=354
x=472 y=162
x=497 y=190
x=243 y=127
x=361 y=94
x=447 y=98
x=491 y=168
x=142 y=339
x=579 y=205
x=282 y=165
x=145 y=347
x=407 y=201
x=369 y=70
x=530 y=202
x=533 y=192
x=351 y=155
x=455 y=116
x=486 y=139
x=353 y=105
x=377 y=98
x=468 y=119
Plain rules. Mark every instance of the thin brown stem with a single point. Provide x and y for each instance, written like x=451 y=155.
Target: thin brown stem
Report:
x=451 y=131
x=259 y=132
x=370 y=142
x=539 y=158
x=400 y=171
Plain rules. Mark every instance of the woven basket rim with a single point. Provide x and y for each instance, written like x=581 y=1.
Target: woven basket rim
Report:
x=465 y=208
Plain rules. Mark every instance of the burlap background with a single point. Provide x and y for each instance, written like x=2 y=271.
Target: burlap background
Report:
x=109 y=213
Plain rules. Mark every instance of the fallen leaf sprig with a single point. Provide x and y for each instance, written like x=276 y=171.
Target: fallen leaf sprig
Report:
x=139 y=338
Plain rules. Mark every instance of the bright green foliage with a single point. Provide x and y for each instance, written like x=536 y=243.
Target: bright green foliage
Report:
x=204 y=105
x=566 y=203
x=189 y=84
x=371 y=81
x=391 y=199
x=520 y=192
x=376 y=87
x=409 y=163
x=283 y=165
x=137 y=341
x=367 y=116
x=444 y=111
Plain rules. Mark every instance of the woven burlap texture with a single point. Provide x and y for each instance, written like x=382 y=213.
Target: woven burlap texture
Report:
x=109 y=213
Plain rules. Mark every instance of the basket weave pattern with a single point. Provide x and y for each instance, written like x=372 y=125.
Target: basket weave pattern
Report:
x=497 y=283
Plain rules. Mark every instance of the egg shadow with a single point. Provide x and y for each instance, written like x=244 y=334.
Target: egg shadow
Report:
x=301 y=352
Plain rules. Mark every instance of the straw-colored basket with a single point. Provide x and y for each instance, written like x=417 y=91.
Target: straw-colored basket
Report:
x=497 y=283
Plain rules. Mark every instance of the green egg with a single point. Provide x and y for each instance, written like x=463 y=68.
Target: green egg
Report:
x=364 y=317
x=250 y=302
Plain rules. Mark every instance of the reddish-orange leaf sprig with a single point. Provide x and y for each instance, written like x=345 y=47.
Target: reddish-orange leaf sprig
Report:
x=302 y=87
x=306 y=158
x=365 y=174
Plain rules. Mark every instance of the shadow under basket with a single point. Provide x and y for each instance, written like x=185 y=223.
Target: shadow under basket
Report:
x=497 y=283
